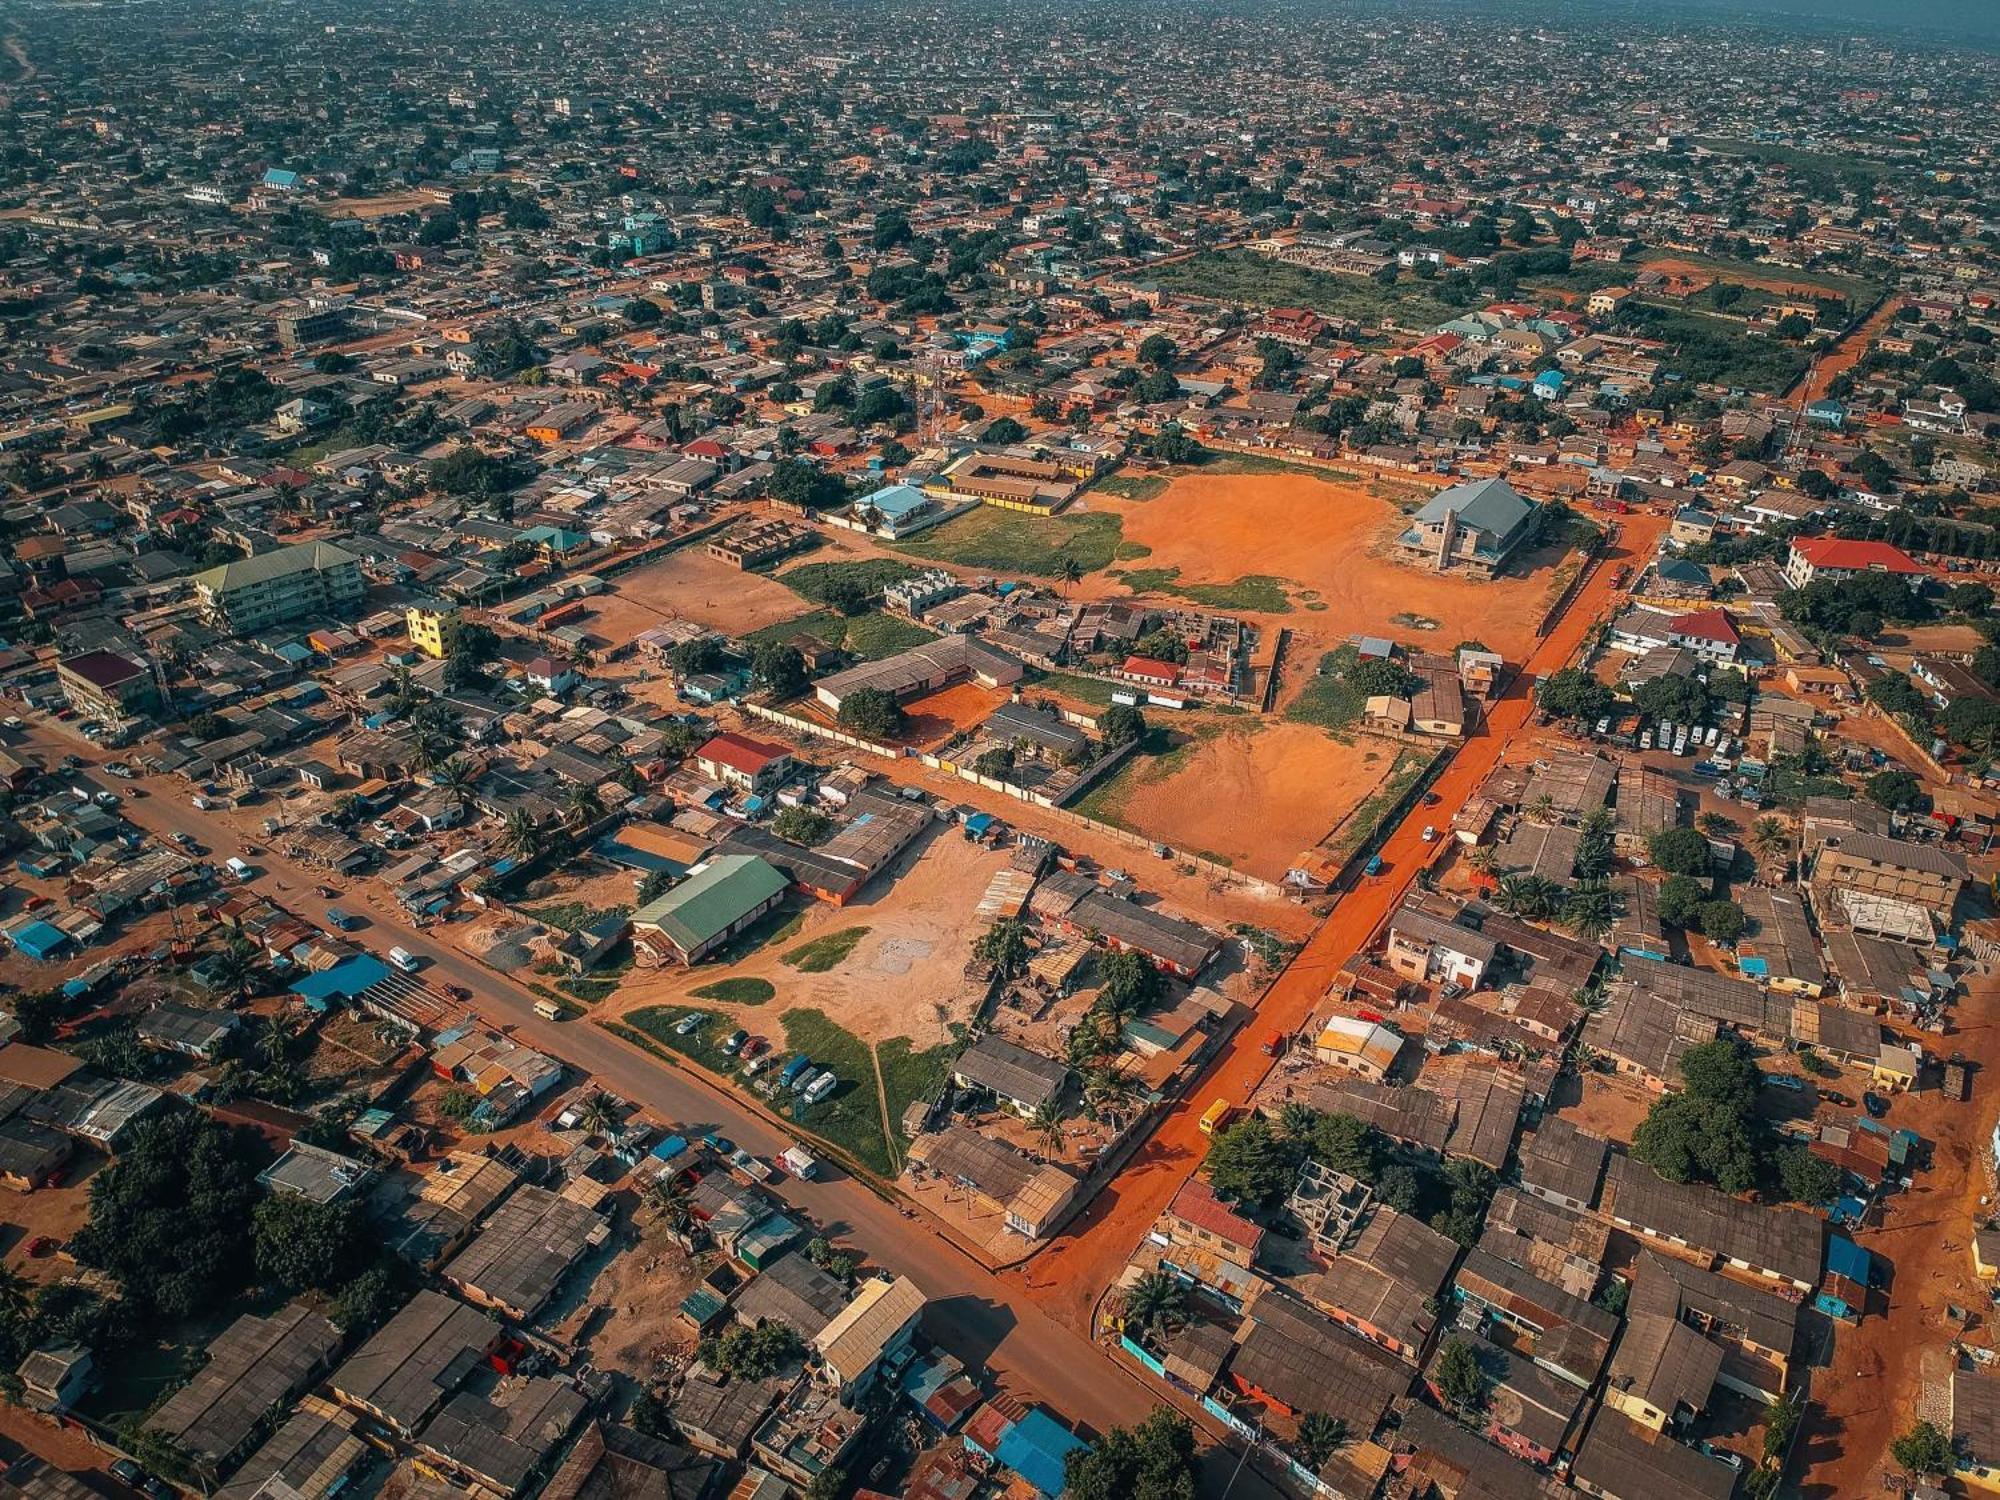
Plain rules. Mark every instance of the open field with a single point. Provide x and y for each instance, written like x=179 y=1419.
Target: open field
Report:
x=411 y=201
x=1010 y=541
x=870 y=637
x=1328 y=541
x=1245 y=276
x=936 y=717
x=1780 y=279
x=691 y=585
x=1252 y=794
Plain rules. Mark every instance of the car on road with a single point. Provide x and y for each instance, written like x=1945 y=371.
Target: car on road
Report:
x=127 y=1472
x=1374 y=865
x=12 y=721
x=42 y=1246
x=720 y=1144
x=1430 y=833
x=405 y=960
x=185 y=839
x=1875 y=1104
x=688 y=1025
x=458 y=992
x=326 y=892
x=1835 y=1097
x=345 y=921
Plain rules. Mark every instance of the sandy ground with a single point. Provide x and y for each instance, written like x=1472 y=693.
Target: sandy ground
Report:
x=904 y=979
x=1847 y=353
x=1256 y=795
x=939 y=716
x=412 y=201
x=689 y=584
x=1329 y=541
x=1774 y=282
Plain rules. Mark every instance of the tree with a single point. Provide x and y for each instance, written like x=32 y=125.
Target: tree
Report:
x=1005 y=430
x=994 y=762
x=1156 y=1298
x=754 y=1353
x=1158 y=350
x=372 y=1298
x=524 y=834
x=1248 y=1163
x=1590 y=909
x=1680 y=900
x=1576 y=695
x=1680 y=851
x=458 y=777
x=582 y=805
x=1456 y=1374
x=871 y=713
x=1898 y=791
x=1003 y=947
x=1807 y=1179
x=803 y=825
x=1155 y=1460
x=1046 y=1124
x=1924 y=1450
x=38 y=1012
x=1770 y=838
x=1320 y=1437
x=1721 y=922
x=1708 y=1132
x=1128 y=983
x=171 y=1217
x=300 y=1245
x=779 y=669
x=1121 y=724
x=1898 y=695
x=1527 y=896
x=1346 y=1144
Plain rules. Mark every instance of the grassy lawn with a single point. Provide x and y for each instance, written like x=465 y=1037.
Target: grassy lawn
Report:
x=1082 y=689
x=851 y=1116
x=1244 y=276
x=1329 y=700
x=1259 y=592
x=825 y=952
x=1132 y=486
x=742 y=991
x=821 y=582
x=909 y=1075
x=590 y=988
x=870 y=637
x=1163 y=752
x=1705 y=349
x=1795 y=156
x=1009 y=541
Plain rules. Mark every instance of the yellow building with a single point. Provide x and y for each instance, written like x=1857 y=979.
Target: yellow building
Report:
x=432 y=627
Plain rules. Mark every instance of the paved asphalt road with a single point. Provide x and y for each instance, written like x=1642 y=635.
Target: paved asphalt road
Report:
x=984 y=1319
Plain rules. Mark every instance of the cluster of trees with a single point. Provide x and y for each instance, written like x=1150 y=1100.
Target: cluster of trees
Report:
x=233 y=399
x=1709 y=1131
x=872 y=713
x=1156 y=1460
x=1858 y=606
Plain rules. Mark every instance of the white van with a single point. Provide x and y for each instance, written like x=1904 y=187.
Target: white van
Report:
x=405 y=960
x=237 y=867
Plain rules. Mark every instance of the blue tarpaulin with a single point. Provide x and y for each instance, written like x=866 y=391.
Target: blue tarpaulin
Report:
x=344 y=980
x=1035 y=1448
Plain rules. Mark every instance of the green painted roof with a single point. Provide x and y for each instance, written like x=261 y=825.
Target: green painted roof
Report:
x=305 y=557
x=705 y=905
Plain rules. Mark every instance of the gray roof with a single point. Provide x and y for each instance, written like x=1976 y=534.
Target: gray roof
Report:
x=255 y=1365
x=416 y=1358
x=1012 y=1071
x=526 y=1249
x=1488 y=504
x=501 y=1439
x=306 y=557
x=794 y=1291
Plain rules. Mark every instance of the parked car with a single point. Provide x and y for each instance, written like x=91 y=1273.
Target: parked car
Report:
x=733 y=1043
x=1786 y=1081
x=688 y=1025
x=1430 y=833
x=756 y=1047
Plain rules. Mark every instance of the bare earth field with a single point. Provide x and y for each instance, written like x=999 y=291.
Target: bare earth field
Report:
x=905 y=978
x=1329 y=540
x=1254 y=795
x=691 y=585
x=939 y=716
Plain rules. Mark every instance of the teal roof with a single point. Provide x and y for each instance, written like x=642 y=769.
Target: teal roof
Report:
x=555 y=538
x=706 y=905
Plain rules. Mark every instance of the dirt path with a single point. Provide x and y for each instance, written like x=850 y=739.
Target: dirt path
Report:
x=1846 y=354
x=889 y=1131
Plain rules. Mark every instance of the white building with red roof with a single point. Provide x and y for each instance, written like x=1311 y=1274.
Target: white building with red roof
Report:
x=1709 y=633
x=739 y=761
x=1837 y=559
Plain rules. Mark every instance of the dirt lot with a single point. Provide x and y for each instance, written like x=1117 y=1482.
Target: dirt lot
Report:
x=937 y=717
x=415 y=201
x=1329 y=542
x=1775 y=282
x=904 y=978
x=689 y=584
x=1299 y=781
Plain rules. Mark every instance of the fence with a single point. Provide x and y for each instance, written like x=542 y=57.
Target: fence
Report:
x=820 y=731
x=1095 y=772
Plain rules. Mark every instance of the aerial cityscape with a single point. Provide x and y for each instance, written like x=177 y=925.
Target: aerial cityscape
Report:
x=1131 y=751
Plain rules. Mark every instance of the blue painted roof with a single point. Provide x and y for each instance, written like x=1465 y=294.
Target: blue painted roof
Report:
x=1035 y=1448
x=897 y=500
x=344 y=980
x=39 y=939
x=1845 y=1258
x=279 y=177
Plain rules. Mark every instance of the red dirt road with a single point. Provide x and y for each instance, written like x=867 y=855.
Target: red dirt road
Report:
x=1067 y=1277
x=1846 y=354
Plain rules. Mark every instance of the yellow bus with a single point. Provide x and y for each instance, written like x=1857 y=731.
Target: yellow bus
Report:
x=1218 y=1115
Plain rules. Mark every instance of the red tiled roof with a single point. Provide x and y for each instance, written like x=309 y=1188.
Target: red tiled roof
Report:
x=1147 y=666
x=1707 y=625
x=1197 y=1204
x=1837 y=552
x=740 y=753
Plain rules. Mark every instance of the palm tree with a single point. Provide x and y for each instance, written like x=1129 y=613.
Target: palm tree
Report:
x=1071 y=574
x=1047 y=1124
x=1156 y=1298
x=1714 y=824
x=1542 y=809
x=582 y=806
x=1526 y=896
x=15 y=1297
x=670 y=1198
x=1771 y=838
x=458 y=777
x=1481 y=858
x=1590 y=909
x=524 y=834
x=1297 y=1121
x=233 y=967
x=274 y=1044
x=1108 y=1093
x=1320 y=1437
x=597 y=1114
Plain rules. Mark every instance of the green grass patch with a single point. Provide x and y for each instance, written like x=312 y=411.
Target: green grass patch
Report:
x=1799 y=157
x=657 y=1022
x=1717 y=351
x=822 y=624
x=589 y=989
x=573 y=916
x=1132 y=486
x=1259 y=592
x=827 y=582
x=745 y=990
x=1245 y=276
x=870 y=636
x=828 y=951
x=1010 y=541
x=1083 y=689
x=1365 y=821
x=909 y=1075
x=1329 y=700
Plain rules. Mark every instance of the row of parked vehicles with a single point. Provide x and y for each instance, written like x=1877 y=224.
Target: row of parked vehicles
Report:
x=798 y=1076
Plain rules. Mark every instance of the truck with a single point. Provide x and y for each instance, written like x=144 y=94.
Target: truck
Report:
x=800 y=1162
x=405 y=960
x=237 y=867
x=1216 y=1116
x=345 y=921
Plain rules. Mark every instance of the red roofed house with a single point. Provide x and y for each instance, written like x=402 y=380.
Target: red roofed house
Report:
x=1152 y=672
x=1832 y=558
x=739 y=761
x=1708 y=633
x=1198 y=1218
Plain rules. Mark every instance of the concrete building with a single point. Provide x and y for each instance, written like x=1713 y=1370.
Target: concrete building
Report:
x=272 y=588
